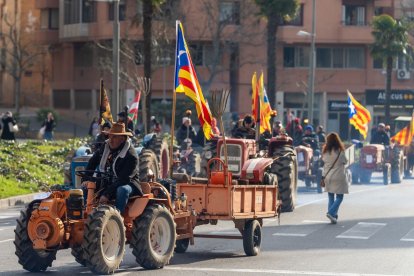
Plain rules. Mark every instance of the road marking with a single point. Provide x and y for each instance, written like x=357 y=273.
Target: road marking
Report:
x=268 y=271
x=232 y=233
x=6 y=240
x=315 y=221
x=362 y=230
x=6 y=216
x=289 y=235
x=409 y=236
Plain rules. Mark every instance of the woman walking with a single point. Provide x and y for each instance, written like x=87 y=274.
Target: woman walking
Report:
x=49 y=123
x=334 y=159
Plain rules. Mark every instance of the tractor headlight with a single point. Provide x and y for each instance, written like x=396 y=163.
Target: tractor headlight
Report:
x=208 y=154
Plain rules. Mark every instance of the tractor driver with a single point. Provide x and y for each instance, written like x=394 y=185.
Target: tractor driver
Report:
x=380 y=136
x=245 y=129
x=118 y=158
x=310 y=138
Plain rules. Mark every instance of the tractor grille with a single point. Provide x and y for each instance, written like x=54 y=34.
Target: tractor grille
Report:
x=234 y=153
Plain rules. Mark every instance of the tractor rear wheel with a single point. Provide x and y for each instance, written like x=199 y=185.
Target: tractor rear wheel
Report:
x=148 y=165
x=161 y=151
x=153 y=237
x=365 y=176
x=397 y=165
x=181 y=245
x=252 y=238
x=104 y=240
x=31 y=259
x=285 y=167
x=77 y=252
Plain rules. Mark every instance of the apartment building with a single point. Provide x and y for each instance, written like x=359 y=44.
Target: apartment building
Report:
x=22 y=19
x=226 y=55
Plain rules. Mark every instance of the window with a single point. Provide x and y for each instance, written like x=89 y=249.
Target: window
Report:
x=83 y=99
x=297 y=20
x=138 y=53
x=61 y=99
x=203 y=54
x=71 y=11
x=83 y=55
x=122 y=11
x=167 y=10
x=353 y=15
x=88 y=11
x=230 y=12
x=49 y=19
x=377 y=63
x=196 y=52
x=353 y=57
x=3 y=57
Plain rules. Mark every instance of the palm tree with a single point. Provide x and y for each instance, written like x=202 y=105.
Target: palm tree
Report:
x=274 y=11
x=390 y=41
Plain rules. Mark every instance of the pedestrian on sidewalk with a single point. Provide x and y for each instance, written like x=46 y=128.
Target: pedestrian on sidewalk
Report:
x=333 y=157
x=9 y=127
x=49 y=124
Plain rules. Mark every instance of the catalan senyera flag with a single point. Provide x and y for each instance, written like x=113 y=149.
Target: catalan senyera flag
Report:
x=133 y=109
x=265 y=108
x=359 y=116
x=104 y=107
x=255 y=96
x=186 y=82
x=405 y=135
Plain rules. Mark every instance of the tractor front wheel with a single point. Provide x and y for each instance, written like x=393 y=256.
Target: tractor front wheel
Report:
x=153 y=237
x=181 y=246
x=104 y=240
x=31 y=259
x=252 y=238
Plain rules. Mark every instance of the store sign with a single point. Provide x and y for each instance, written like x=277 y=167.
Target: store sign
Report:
x=337 y=106
x=397 y=97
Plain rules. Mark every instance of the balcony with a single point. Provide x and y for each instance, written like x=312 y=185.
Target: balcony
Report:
x=73 y=31
x=46 y=4
x=47 y=36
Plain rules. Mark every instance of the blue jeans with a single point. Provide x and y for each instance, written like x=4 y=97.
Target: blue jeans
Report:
x=48 y=135
x=122 y=196
x=333 y=204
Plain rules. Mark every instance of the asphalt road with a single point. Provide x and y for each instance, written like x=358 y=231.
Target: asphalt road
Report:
x=374 y=236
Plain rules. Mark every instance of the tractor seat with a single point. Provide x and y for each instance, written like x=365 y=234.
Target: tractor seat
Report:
x=181 y=177
x=199 y=180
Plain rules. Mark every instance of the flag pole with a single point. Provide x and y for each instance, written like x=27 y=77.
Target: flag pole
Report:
x=100 y=101
x=174 y=103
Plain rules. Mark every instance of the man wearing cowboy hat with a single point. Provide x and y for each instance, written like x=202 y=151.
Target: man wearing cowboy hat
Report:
x=117 y=157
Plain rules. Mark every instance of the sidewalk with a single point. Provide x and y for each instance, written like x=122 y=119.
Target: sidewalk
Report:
x=18 y=200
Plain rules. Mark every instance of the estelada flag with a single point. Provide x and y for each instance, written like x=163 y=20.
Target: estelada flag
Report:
x=405 y=135
x=186 y=82
x=133 y=110
x=104 y=107
x=359 y=116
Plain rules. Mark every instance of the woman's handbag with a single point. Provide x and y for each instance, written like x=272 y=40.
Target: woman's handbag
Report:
x=41 y=132
x=13 y=128
x=323 y=177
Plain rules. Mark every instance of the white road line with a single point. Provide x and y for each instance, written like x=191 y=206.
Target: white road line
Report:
x=6 y=240
x=409 y=236
x=362 y=230
x=268 y=271
x=315 y=221
x=289 y=235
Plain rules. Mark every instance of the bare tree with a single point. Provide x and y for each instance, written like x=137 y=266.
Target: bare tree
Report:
x=21 y=53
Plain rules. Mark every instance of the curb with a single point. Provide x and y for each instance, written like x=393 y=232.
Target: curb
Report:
x=18 y=200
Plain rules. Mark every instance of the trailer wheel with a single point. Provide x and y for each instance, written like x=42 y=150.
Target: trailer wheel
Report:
x=285 y=167
x=386 y=173
x=252 y=238
x=161 y=151
x=181 y=246
x=31 y=259
x=153 y=237
x=78 y=253
x=148 y=165
x=104 y=240
x=397 y=166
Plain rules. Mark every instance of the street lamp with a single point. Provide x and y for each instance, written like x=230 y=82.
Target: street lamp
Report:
x=312 y=63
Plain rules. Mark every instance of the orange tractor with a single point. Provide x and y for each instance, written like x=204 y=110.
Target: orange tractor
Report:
x=154 y=224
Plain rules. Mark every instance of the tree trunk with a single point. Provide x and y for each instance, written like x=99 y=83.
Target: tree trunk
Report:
x=272 y=25
x=147 y=29
x=17 y=94
x=388 y=90
x=234 y=76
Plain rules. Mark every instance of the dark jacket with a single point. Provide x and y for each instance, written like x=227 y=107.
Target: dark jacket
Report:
x=380 y=137
x=7 y=134
x=50 y=125
x=321 y=137
x=126 y=168
x=182 y=134
x=312 y=140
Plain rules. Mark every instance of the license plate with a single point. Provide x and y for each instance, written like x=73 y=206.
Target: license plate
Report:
x=369 y=159
x=233 y=168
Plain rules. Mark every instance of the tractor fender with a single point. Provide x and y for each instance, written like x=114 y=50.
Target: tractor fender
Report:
x=253 y=169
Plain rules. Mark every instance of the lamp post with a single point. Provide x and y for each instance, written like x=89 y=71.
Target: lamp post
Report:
x=312 y=62
x=115 y=58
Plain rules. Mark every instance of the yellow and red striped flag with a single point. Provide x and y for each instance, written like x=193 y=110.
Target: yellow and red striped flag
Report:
x=359 y=116
x=104 y=107
x=186 y=82
x=255 y=96
x=405 y=135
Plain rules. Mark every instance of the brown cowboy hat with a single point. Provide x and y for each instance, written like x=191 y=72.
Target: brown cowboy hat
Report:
x=118 y=129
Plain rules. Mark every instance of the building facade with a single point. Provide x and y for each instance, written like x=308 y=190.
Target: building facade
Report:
x=228 y=44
